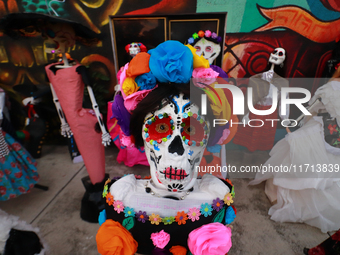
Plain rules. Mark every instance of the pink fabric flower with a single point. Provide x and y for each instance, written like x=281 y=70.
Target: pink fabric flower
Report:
x=225 y=134
x=160 y=239
x=126 y=140
x=204 y=75
x=194 y=214
x=131 y=101
x=207 y=33
x=118 y=206
x=212 y=238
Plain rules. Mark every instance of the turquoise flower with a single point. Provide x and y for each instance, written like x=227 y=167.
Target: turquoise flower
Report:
x=206 y=209
x=129 y=212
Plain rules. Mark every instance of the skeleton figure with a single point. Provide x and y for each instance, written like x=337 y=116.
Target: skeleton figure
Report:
x=134 y=48
x=208 y=49
x=172 y=157
x=277 y=57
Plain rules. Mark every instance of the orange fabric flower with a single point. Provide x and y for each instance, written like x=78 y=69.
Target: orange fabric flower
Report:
x=178 y=250
x=181 y=217
x=109 y=199
x=155 y=219
x=200 y=33
x=138 y=65
x=112 y=239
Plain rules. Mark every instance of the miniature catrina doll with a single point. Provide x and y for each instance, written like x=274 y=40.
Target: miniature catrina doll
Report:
x=172 y=208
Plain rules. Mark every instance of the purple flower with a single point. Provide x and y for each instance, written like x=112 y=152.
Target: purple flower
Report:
x=213 y=35
x=141 y=216
x=217 y=204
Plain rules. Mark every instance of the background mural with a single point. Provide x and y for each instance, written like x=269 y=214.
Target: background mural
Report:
x=307 y=29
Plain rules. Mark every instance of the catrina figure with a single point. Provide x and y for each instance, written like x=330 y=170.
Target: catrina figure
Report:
x=172 y=209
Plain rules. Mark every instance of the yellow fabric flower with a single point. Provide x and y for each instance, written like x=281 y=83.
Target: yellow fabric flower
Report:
x=220 y=110
x=199 y=61
x=155 y=219
x=228 y=199
x=129 y=86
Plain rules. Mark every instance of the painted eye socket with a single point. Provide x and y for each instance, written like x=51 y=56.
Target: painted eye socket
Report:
x=192 y=129
x=280 y=53
x=158 y=129
x=208 y=49
x=198 y=48
x=275 y=51
x=50 y=33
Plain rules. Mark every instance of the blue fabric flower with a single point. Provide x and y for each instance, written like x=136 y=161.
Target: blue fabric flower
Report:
x=206 y=209
x=146 y=81
x=229 y=215
x=102 y=217
x=171 y=61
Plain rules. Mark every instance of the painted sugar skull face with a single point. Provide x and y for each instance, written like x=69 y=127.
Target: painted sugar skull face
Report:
x=277 y=56
x=134 y=49
x=208 y=49
x=174 y=140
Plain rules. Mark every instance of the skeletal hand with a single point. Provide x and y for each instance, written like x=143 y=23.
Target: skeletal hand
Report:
x=245 y=119
x=66 y=130
x=106 y=139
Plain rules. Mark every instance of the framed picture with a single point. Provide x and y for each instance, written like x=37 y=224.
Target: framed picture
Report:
x=153 y=30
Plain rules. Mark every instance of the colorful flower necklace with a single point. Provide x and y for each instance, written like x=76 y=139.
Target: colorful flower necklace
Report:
x=181 y=217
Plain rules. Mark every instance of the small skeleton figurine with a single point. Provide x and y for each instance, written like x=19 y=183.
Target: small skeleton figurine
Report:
x=206 y=44
x=134 y=48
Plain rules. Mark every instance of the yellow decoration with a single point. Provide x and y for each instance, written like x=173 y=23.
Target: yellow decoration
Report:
x=129 y=86
x=199 y=61
x=228 y=199
x=155 y=219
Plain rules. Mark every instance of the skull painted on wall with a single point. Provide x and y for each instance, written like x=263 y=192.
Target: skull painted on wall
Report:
x=208 y=49
x=175 y=137
x=277 y=56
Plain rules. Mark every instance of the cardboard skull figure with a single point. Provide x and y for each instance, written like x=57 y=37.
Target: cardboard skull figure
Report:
x=208 y=49
x=175 y=137
x=277 y=56
x=134 y=48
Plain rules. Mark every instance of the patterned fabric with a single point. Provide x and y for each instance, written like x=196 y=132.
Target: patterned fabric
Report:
x=18 y=172
x=3 y=146
x=331 y=130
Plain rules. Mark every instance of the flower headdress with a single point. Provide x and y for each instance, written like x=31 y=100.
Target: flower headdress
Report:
x=207 y=34
x=169 y=62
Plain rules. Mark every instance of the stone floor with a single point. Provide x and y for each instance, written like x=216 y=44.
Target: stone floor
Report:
x=56 y=211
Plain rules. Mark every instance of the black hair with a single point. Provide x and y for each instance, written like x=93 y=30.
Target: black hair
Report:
x=155 y=100
x=216 y=40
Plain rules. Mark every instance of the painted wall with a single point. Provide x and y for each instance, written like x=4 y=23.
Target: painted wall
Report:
x=307 y=29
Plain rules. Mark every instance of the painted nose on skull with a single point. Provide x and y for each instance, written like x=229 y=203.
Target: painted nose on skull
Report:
x=176 y=146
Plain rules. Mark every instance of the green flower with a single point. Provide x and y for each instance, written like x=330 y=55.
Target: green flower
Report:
x=168 y=220
x=105 y=191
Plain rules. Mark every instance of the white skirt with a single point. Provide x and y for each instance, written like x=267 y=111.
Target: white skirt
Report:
x=310 y=191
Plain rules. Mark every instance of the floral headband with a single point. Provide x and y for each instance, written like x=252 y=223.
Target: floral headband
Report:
x=207 y=34
x=170 y=61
